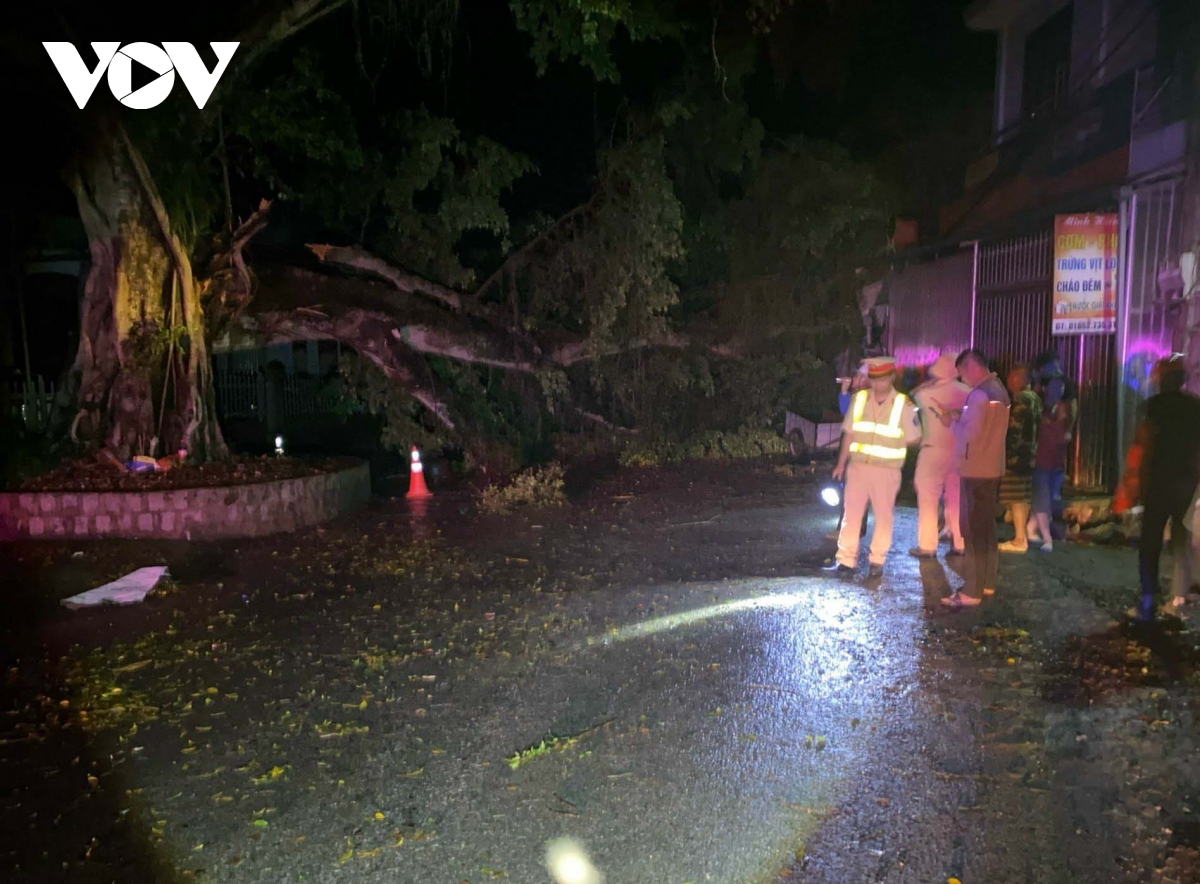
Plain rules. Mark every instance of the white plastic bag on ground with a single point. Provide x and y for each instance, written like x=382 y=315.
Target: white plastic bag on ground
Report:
x=127 y=590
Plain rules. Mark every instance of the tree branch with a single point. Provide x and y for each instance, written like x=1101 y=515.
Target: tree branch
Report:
x=150 y=192
x=281 y=20
x=365 y=332
x=357 y=258
x=523 y=254
x=235 y=294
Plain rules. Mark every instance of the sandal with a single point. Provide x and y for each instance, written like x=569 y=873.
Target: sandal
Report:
x=958 y=600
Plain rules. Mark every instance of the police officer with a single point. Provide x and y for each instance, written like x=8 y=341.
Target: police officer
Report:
x=876 y=432
x=936 y=477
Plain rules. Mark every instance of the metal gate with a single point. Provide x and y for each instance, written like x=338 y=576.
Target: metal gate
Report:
x=1012 y=325
x=1149 y=322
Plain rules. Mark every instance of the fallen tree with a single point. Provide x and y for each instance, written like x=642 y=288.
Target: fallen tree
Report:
x=595 y=308
x=591 y=292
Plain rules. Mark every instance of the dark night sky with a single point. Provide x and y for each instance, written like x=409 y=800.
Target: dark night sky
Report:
x=494 y=90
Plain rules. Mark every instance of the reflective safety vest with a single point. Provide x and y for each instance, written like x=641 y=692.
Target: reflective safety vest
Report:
x=872 y=442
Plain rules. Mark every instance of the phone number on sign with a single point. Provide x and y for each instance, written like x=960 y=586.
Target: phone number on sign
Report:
x=1071 y=326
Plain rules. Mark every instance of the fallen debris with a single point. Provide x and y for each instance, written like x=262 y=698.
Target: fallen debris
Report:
x=127 y=590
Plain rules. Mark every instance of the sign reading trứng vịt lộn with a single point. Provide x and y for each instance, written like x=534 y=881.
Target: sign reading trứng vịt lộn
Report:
x=1085 y=274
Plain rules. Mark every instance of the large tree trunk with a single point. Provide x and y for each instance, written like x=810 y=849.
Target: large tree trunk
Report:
x=141 y=378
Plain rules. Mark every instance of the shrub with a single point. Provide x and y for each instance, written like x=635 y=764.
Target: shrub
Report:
x=747 y=441
x=537 y=488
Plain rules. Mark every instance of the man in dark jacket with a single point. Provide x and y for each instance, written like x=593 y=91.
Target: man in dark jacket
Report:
x=1170 y=471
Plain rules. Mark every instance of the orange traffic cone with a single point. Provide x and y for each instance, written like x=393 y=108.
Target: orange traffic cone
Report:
x=416 y=482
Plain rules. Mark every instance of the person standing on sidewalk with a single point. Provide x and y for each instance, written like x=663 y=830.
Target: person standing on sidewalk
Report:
x=1059 y=411
x=936 y=476
x=876 y=433
x=979 y=433
x=1016 y=488
x=1170 y=472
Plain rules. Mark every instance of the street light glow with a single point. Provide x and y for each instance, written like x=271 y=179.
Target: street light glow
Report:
x=569 y=864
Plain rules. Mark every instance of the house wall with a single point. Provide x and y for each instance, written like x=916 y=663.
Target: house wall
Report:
x=1010 y=65
x=1109 y=38
x=929 y=309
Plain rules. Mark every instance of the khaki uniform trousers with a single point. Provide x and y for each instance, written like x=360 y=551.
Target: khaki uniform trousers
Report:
x=935 y=477
x=877 y=485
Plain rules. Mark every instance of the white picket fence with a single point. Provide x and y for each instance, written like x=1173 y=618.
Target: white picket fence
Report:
x=30 y=402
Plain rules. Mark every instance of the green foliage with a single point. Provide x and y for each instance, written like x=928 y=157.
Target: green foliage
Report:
x=423 y=29
x=545 y=747
x=584 y=30
x=555 y=385
x=299 y=138
x=408 y=186
x=809 y=220
x=745 y=442
x=792 y=246
x=613 y=271
x=147 y=343
x=178 y=146
x=697 y=226
x=436 y=187
x=534 y=488
x=501 y=419
x=364 y=388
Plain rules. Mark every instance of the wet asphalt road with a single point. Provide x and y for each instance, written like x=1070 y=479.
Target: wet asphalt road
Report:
x=338 y=707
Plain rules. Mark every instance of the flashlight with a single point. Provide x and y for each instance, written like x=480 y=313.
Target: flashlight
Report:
x=832 y=495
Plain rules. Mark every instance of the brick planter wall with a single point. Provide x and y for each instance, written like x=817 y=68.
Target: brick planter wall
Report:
x=184 y=513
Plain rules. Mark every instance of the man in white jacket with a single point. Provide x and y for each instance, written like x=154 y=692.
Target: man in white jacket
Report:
x=936 y=477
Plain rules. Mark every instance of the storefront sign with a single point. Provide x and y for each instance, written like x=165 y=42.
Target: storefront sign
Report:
x=1085 y=274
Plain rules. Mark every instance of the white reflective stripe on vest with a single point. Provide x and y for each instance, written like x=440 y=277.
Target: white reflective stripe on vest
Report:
x=891 y=429
x=874 y=440
x=878 y=451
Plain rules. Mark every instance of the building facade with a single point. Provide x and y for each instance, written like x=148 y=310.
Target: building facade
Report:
x=1088 y=128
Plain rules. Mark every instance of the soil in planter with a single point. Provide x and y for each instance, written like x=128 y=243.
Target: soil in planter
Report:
x=91 y=475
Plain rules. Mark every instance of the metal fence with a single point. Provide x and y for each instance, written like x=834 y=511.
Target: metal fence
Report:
x=240 y=393
x=1149 y=322
x=30 y=402
x=248 y=394
x=302 y=395
x=1013 y=325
